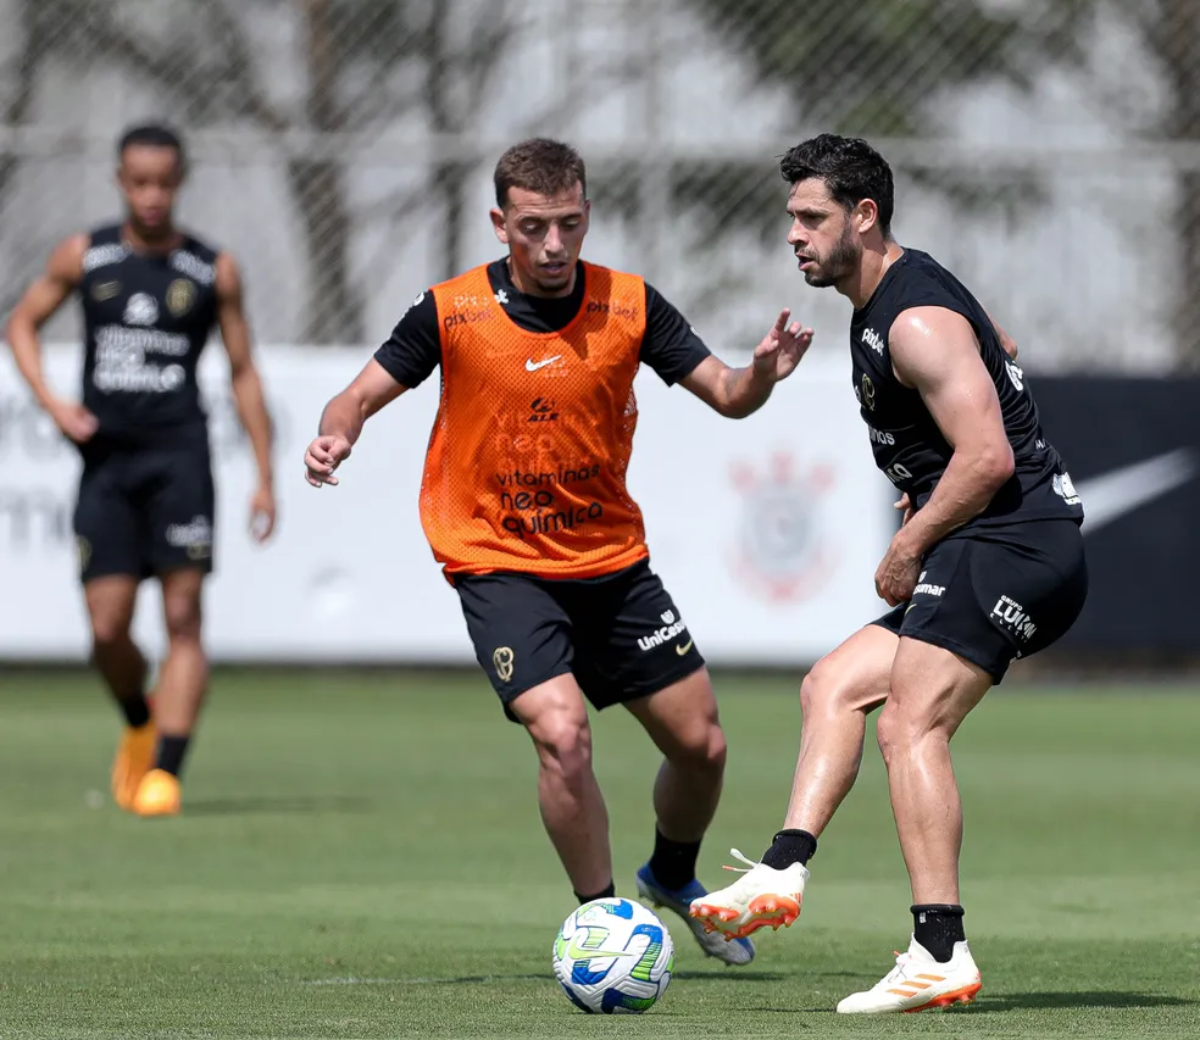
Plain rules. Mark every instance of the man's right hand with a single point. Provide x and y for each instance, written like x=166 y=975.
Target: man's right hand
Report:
x=74 y=420
x=324 y=455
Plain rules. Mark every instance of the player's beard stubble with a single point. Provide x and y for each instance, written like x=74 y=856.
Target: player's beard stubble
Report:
x=842 y=261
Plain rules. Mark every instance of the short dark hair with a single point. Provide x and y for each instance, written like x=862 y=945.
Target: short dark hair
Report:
x=153 y=135
x=539 y=165
x=851 y=169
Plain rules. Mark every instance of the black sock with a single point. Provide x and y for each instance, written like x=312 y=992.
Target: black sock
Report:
x=790 y=847
x=674 y=862
x=607 y=893
x=937 y=927
x=135 y=710
x=170 y=754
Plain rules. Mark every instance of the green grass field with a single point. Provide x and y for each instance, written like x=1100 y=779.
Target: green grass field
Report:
x=361 y=856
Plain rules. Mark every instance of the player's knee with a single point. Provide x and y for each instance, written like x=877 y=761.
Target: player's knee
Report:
x=823 y=690
x=109 y=630
x=889 y=731
x=715 y=750
x=564 y=745
x=182 y=616
x=900 y=729
x=702 y=748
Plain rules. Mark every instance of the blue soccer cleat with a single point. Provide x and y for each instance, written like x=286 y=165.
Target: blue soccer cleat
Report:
x=678 y=901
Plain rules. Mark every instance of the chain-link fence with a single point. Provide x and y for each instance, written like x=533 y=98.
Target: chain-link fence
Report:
x=342 y=148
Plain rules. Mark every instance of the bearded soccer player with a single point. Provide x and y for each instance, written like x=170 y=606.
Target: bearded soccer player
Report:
x=525 y=505
x=151 y=294
x=987 y=566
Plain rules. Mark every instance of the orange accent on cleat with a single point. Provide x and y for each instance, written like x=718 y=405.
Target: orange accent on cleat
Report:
x=966 y=995
x=158 y=795
x=134 y=759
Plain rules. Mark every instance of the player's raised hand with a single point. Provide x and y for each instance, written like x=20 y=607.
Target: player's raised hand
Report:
x=782 y=348
x=324 y=455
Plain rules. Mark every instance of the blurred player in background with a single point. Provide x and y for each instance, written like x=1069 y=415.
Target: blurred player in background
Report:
x=524 y=503
x=987 y=566
x=151 y=294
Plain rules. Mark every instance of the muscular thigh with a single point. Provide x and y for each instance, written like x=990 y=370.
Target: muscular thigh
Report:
x=630 y=639
x=856 y=675
x=997 y=594
x=108 y=520
x=521 y=635
x=179 y=503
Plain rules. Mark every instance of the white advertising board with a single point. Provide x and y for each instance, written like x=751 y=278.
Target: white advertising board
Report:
x=766 y=531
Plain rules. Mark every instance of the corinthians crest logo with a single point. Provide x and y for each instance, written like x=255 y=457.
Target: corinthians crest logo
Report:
x=782 y=552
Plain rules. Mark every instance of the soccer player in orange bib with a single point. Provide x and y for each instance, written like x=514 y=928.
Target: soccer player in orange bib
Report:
x=524 y=503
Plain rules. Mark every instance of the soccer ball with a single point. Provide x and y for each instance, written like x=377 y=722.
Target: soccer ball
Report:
x=613 y=956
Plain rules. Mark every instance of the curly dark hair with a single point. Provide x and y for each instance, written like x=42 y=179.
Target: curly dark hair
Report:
x=851 y=169
x=539 y=165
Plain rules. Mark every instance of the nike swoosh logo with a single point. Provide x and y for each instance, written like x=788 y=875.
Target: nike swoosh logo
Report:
x=681 y=650
x=579 y=953
x=1110 y=496
x=533 y=366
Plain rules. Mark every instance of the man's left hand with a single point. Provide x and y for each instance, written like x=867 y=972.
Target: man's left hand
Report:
x=897 y=575
x=780 y=351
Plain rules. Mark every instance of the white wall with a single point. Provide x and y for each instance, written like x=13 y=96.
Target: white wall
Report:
x=766 y=531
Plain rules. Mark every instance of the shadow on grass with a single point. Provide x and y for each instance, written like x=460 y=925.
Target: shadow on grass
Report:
x=265 y=804
x=1028 y=1002
x=1017 y=1001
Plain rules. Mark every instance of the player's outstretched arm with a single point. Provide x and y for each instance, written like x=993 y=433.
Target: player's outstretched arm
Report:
x=935 y=351
x=63 y=273
x=738 y=392
x=343 y=419
x=247 y=392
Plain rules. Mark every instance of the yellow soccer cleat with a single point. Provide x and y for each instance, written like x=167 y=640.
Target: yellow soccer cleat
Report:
x=159 y=794
x=135 y=758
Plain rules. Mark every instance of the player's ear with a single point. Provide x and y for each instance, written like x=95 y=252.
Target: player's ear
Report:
x=499 y=226
x=866 y=215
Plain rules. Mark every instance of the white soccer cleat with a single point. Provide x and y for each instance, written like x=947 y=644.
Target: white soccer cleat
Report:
x=762 y=897
x=918 y=982
x=724 y=948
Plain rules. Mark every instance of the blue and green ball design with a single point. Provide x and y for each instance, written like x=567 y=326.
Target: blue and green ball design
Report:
x=613 y=956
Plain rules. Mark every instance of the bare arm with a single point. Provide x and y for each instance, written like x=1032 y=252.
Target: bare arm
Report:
x=247 y=390
x=738 y=392
x=343 y=419
x=935 y=351
x=63 y=273
x=243 y=374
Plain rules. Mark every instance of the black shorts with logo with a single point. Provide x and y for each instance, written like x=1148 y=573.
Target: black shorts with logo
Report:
x=993 y=594
x=619 y=635
x=145 y=509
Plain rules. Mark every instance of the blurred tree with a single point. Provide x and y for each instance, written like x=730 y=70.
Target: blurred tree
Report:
x=878 y=68
x=1172 y=31
x=15 y=104
x=363 y=65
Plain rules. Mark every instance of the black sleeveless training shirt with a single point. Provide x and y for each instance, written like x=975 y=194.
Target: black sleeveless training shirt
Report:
x=907 y=443
x=146 y=321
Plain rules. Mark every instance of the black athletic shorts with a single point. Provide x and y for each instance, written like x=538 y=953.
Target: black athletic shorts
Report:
x=619 y=635
x=143 y=510
x=993 y=594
